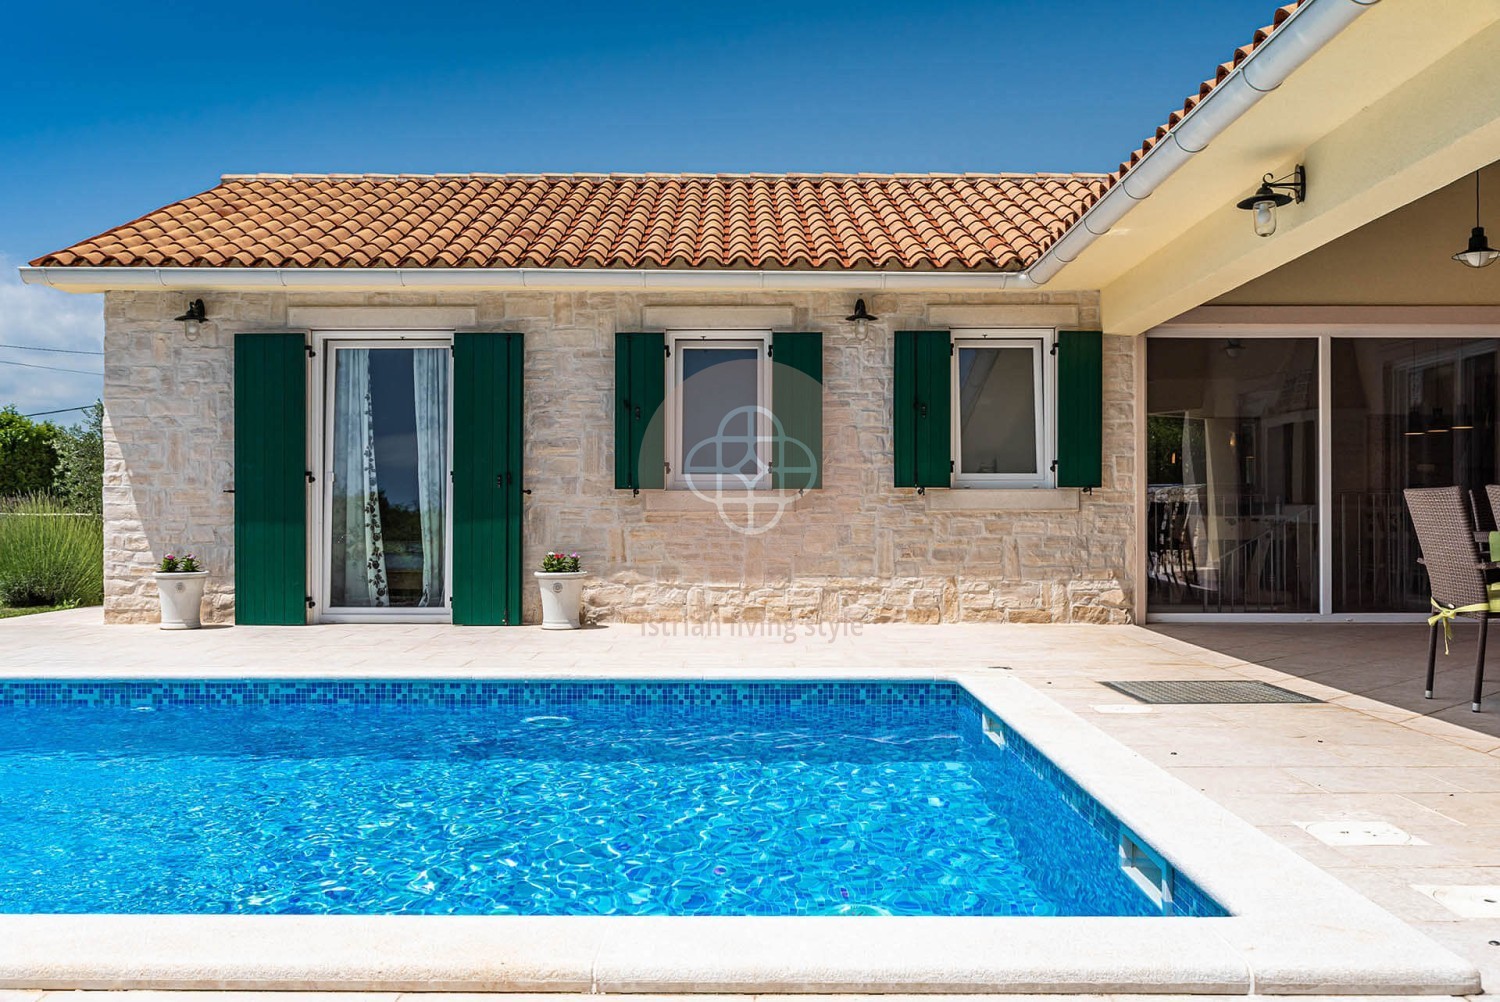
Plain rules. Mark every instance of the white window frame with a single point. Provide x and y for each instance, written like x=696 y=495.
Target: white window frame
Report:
x=1044 y=376
x=759 y=340
x=320 y=388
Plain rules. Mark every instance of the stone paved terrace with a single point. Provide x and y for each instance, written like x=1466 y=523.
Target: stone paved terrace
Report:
x=1375 y=751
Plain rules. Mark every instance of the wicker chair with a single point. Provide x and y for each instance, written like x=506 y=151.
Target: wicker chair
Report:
x=1459 y=575
x=1492 y=494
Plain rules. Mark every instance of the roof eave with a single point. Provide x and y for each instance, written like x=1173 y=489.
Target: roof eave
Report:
x=74 y=278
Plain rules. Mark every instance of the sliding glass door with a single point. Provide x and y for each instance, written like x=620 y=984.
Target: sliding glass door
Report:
x=1407 y=412
x=1232 y=475
x=1275 y=465
x=386 y=501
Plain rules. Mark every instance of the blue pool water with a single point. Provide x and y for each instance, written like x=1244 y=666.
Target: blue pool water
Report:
x=541 y=798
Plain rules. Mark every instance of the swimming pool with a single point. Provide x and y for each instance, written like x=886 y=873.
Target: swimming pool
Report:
x=503 y=797
x=1289 y=927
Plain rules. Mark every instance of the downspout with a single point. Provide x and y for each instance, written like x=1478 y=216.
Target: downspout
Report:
x=1307 y=30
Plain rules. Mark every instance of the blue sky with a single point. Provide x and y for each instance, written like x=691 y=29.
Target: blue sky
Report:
x=121 y=108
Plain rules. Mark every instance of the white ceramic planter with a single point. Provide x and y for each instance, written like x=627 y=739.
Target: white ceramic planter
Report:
x=181 y=599
x=562 y=594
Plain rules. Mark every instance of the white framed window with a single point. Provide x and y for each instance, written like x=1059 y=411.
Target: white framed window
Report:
x=1004 y=412
x=718 y=406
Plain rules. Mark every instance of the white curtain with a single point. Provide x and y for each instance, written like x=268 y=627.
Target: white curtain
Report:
x=430 y=383
x=360 y=567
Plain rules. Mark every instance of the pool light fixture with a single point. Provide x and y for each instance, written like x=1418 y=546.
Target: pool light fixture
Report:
x=1267 y=199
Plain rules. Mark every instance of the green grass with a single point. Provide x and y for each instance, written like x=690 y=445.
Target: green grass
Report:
x=49 y=556
x=6 y=612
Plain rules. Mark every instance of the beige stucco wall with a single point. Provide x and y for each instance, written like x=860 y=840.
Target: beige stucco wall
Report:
x=858 y=550
x=1400 y=259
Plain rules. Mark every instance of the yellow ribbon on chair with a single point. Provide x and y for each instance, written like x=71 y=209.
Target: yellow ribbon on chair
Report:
x=1446 y=616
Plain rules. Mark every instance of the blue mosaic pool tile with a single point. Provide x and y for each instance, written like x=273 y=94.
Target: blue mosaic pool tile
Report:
x=771 y=697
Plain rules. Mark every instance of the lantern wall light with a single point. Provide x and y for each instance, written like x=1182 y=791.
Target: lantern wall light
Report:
x=861 y=317
x=1273 y=193
x=192 y=320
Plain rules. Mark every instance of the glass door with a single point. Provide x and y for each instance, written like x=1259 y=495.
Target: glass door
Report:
x=1232 y=475
x=387 y=484
x=1407 y=412
x=1276 y=463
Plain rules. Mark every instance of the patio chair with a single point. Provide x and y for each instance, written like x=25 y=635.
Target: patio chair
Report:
x=1460 y=578
x=1492 y=495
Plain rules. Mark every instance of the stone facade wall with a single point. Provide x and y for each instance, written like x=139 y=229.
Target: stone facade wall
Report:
x=858 y=550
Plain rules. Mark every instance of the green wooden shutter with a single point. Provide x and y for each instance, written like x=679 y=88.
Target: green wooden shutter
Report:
x=270 y=479
x=922 y=410
x=1080 y=408
x=487 y=473
x=797 y=402
x=640 y=389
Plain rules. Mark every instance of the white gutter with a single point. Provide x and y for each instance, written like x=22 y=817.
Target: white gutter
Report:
x=1308 y=29
x=78 y=279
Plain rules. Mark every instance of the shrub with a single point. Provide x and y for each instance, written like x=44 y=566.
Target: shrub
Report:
x=49 y=555
x=79 y=478
x=27 y=453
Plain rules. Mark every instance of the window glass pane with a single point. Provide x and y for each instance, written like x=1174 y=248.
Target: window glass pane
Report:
x=1406 y=413
x=387 y=522
x=1232 y=475
x=720 y=433
x=997 y=430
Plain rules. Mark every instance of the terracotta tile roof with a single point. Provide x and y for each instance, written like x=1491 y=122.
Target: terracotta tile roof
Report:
x=988 y=222
x=1223 y=71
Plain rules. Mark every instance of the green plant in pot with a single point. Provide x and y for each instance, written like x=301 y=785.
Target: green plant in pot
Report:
x=561 y=583
x=179 y=584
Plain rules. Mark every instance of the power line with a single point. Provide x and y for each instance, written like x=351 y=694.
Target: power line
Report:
x=65 y=410
x=52 y=368
x=65 y=351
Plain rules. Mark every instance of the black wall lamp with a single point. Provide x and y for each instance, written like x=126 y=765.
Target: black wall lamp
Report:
x=860 y=316
x=1479 y=253
x=192 y=320
x=1273 y=193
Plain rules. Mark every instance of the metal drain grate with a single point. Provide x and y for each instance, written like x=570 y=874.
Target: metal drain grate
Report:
x=1209 y=692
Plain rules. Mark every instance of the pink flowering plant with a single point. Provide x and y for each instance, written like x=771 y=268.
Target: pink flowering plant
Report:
x=185 y=564
x=560 y=563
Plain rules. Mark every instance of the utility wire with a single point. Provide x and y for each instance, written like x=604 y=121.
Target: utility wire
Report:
x=52 y=368
x=65 y=351
x=65 y=410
